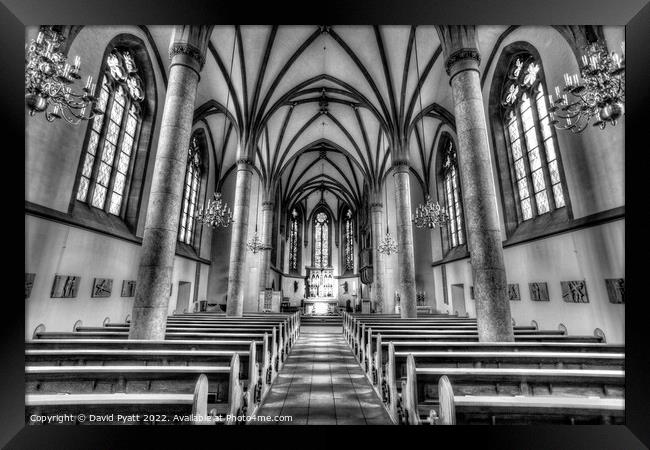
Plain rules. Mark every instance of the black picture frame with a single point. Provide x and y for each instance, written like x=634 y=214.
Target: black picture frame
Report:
x=634 y=14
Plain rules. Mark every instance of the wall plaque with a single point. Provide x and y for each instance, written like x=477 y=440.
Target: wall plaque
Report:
x=616 y=289
x=29 y=282
x=538 y=291
x=513 y=292
x=102 y=287
x=128 y=288
x=574 y=291
x=65 y=286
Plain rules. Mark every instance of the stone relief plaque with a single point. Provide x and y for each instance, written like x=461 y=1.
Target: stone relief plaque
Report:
x=29 y=282
x=574 y=291
x=128 y=288
x=616 y=289
x=102 y=287
x=513 y=292
x=65 y=286
x=538 y=291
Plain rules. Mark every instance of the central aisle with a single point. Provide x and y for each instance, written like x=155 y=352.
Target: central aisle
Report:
x=321 y=383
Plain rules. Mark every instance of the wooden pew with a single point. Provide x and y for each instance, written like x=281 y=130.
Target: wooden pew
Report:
x=96 y=387
x=366 y=345
x=501 y=382
x=490 y=409
x=388 y=363
x=279 y=346
x=195 y=404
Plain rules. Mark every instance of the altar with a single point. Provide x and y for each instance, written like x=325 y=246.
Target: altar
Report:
x=320 y=293
x=321 y=306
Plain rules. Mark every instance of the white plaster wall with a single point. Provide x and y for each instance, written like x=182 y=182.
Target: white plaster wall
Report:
x=591 y=254
x=52 y=248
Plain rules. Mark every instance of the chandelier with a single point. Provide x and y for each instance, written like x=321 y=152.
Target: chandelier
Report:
x=600 y=94
x=48 y=77
x=255 y=244
x=388 y=244
x=216 y=213
x=429 y=215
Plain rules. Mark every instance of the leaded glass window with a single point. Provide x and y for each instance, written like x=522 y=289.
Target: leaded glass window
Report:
x=190 y=191
x=107 y=158
x=452 y=200
x=294 y=241
x=348 y=244
x=531 y=140
x=321 y=240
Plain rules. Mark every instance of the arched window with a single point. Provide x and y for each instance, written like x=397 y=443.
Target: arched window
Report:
x=451 y=193
x=530 y=138
x=191 y=191
x=348 y=242
x=294 y=241
x=108 y=156
x=321 y=241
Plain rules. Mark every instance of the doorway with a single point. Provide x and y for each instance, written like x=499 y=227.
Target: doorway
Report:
x=458 y=299
x=183 y=298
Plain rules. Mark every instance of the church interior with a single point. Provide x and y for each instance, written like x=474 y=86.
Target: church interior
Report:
x=327 y=224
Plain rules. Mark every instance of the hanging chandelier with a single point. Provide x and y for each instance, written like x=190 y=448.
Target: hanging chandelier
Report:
x=430 y=215
x=216 y=214
x=255 y=244
x=48 y=77
x=388 y=245
x=600 y=94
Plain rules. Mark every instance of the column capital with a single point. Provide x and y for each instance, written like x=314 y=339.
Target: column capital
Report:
x=244 y=162
x=459 y=43
x=376 y=205
x=267 y=205
x=400 y=165
x=188 y=45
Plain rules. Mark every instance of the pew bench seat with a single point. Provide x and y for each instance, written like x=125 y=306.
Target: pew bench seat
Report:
x=464 y=409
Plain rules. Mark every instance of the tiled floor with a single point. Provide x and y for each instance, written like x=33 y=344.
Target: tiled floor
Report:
x=322 y=384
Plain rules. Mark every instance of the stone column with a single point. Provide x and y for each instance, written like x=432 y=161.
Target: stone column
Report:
x=404 y=237
x=236 y=277
x=266 y=237
x=479 y=194
x=187 y=55
x=376 y=212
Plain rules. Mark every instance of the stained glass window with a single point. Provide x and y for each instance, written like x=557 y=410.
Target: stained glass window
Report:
x=348 y=244
x=113 y=135
x=449 y=173
x=190 y=192
x=531 y=139
x=321 y=240
x=294 y=241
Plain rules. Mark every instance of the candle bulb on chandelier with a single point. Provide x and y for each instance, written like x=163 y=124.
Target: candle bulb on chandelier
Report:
x=77 y=63
x=39 y=37
x=89 y=83
x=557 y=91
